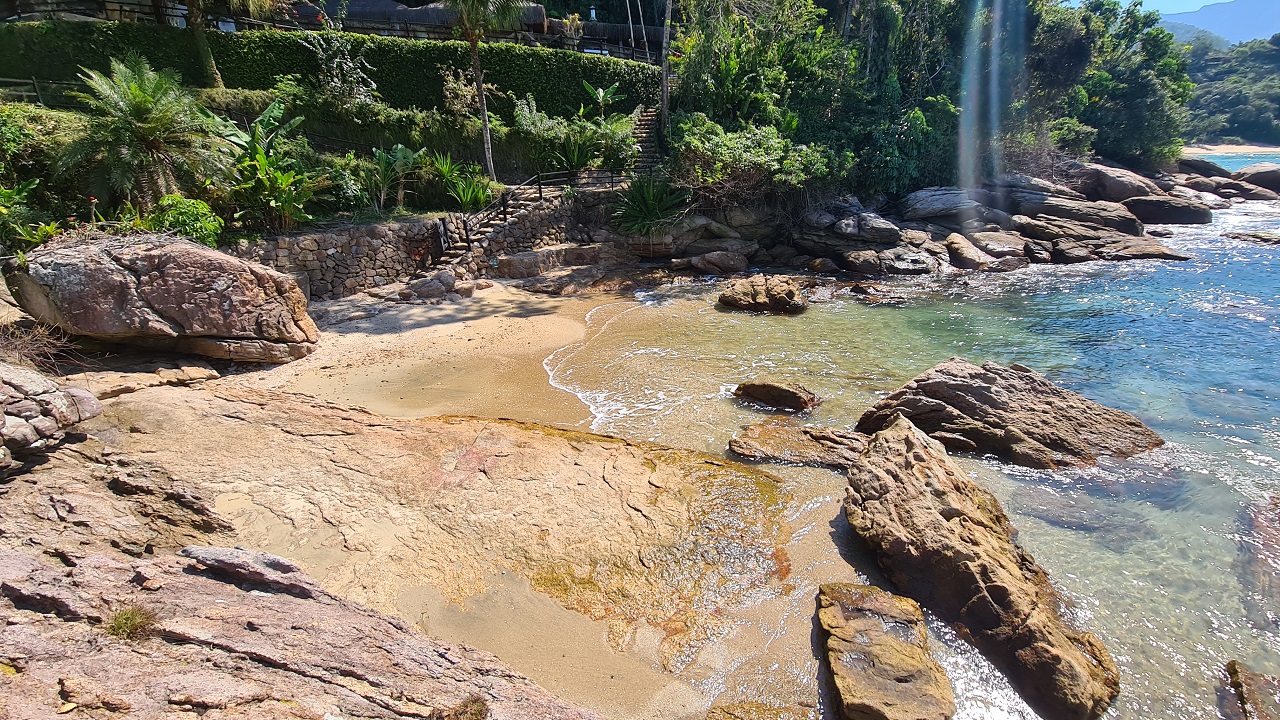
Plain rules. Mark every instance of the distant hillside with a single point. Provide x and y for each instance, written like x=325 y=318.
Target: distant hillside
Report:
x=1237 y=95
x=1186 y=34
x=1237 y=20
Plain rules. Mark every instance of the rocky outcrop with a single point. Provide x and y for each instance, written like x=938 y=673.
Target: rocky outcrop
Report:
x=804 y=445
x=877 y=648
x=164 y=293
x=106 y=384
x=249 y=636
x=1103 y=182
x=633 y=534
x=1013 y=412
x=1200 y=166
x=1111 y=215
x=946 y=543
x=764 y=293
x=1013 y=181
x=1263 y=174
x=1169 y=210
x=998 y=244
x=1251 y=695
x=1259 y=563
x=778 y=394
x=535 y=262
x=35 y=413
x=938 y=202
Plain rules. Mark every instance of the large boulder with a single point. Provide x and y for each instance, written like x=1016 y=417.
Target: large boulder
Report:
x=165 y=293
x=938 y=202
x=1230 y=188
x=1107 y=214
x=804 y=445
x=1000 y=244
x=1200 y=166
x=1169 y=210
x=877 y=647
x=1102 y=182
x=36 y=413
x=964 y=254
x=906 y=260
x=1263 y=174
x=946 y=543
x=1013 y=412
x=1268 y=237
x=778 y=394
x=764 y=293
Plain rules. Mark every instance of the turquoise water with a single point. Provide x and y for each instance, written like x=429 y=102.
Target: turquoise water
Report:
x=1235 y=162
x=1153 y=554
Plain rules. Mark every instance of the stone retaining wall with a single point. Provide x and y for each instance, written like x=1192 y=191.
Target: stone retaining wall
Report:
x=344 y=261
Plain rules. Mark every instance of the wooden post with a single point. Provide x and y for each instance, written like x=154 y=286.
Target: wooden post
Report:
x=35 y=85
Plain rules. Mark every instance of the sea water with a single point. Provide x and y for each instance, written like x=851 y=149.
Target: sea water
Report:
x=1236 y=161
x=1152 y=553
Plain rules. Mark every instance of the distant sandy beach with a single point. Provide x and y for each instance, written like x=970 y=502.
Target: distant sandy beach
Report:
x=1192 y=150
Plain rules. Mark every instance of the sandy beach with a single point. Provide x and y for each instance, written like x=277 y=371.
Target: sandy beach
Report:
x=482 y=356
x=1198 y=149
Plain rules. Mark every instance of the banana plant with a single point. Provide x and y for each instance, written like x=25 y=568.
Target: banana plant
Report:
x=603 y=97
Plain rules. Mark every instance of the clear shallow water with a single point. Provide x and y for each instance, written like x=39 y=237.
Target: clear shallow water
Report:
x=1148 y=551
x=1234 y=162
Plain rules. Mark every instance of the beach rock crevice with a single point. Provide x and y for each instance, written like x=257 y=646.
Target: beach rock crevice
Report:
x=35 y=414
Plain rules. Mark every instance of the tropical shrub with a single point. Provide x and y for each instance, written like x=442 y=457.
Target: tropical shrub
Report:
x=32 y=138
x=146 y=137
x=648 y=206
x=187 y=217
x=270 y=193
x=723 y=168
x=15 y=217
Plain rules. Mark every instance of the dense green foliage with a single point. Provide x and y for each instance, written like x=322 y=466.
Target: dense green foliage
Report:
x=1237 y=95
x=1137 y=86
x=147 y=136
x=186 y=217
x=649 y=205
x=867 y=99
x=407 y=72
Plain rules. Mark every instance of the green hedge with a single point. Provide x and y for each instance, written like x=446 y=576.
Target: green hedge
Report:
x=407 y=72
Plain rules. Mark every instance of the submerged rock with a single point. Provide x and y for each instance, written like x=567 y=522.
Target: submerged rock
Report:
x=946 y=543
x=764 y=293
x=1263 y=236
x=232 y=647
x=806 y=445
x=877 y=648
x=1259 y=563
x=164 y=293
x=778 y=394
x=1013 y=412
x=1250 y=695
x=35 y=413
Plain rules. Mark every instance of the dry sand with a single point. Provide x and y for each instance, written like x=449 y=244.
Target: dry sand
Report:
x=482 y=356
x=1192 y=150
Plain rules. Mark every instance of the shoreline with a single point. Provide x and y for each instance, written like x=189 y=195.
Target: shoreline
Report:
x=1200 y=149
x=482 y=357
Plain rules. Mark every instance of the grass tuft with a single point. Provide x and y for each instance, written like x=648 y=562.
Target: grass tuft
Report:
x=132 y=622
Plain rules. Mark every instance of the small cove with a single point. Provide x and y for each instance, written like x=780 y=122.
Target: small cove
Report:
x=1148 y=551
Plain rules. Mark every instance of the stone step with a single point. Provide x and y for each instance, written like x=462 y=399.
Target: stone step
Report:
x=535 y=262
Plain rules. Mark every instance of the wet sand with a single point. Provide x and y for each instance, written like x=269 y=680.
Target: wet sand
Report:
x=483 y=356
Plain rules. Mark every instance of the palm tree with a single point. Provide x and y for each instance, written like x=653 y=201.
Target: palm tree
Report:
x=198 y=23
x=475 y=19
x=147 y=136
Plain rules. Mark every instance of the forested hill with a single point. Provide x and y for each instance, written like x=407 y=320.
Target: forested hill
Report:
x=1236 y=20
x=1237 y=95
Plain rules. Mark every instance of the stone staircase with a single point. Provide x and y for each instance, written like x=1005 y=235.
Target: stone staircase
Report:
x=646 y=133
x=519 y=199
